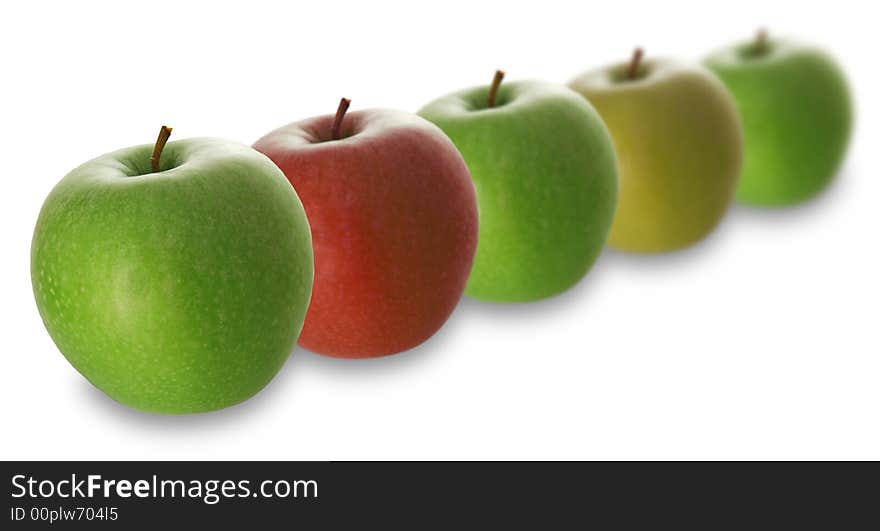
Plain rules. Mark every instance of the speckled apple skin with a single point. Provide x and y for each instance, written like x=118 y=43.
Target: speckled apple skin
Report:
x=175 y=292
x=678 y=138
x=394 y=224
x=797 y=114
x=546 y=178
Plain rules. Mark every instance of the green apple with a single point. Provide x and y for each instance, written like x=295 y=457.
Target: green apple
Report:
x=546 y=179
x=797 y=115
x=178 y=290
x=679 y=142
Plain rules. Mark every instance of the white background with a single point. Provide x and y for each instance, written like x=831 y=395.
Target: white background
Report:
x=759 y=343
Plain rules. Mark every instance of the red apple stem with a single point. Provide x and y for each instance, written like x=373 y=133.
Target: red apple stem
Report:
x=336 y=132
x=164 y=133
x=760 y=41
x=493 y=89
x=633 y=68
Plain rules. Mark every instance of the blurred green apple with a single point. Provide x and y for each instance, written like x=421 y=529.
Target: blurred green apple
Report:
x=546 y=179
x=177 y=289
x=797 y=115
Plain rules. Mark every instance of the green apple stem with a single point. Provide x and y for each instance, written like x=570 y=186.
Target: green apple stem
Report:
x=164 y=133
x=633 y=70
x=493 y=89
x=760 y=41
x=336 y=132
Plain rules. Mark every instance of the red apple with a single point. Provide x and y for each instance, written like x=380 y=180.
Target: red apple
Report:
x=394 y=225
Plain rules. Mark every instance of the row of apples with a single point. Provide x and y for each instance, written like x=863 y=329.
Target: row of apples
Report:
x=177 y=276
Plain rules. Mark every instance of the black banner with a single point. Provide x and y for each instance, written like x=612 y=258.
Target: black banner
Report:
x=416 y=495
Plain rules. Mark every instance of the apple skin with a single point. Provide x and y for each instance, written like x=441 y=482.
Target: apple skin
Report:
x=797 y=115
x=394 y=224
x=179 y=291
x=679 y=142
x=546 y=179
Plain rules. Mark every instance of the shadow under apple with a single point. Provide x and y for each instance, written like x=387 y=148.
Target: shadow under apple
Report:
x=300 y=364
x=548 y=308
x=123 y=414
x=817 y=205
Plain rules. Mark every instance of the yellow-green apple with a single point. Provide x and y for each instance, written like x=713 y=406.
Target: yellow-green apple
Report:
x=679 y=142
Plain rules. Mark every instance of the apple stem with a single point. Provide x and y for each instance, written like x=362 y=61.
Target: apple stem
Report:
x=164 y=133
x=760 y=41
x=493 y=89
x=336 y=132
x=633 y=69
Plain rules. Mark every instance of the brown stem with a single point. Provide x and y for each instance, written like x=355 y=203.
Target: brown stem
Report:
x=336 y=132
x=493 y=89
x=760 y=41
x=633 y=68
x=164 y=133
